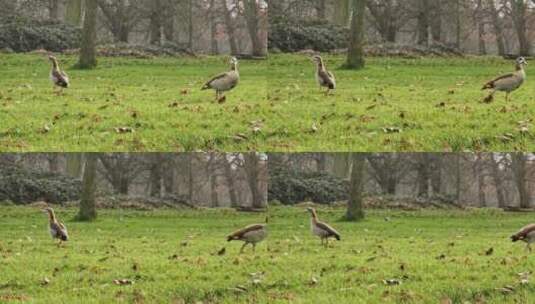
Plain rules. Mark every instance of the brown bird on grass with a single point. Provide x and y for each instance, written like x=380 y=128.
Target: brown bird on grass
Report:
x=56 y=228
x=507 y=83
x=58 y=77
x=324 y=78
x=321 y=229
x=251 y=234
x=526 y=234
x=225 y=81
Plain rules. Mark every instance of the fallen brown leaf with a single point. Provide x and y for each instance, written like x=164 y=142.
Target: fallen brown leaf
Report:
x=123 y=282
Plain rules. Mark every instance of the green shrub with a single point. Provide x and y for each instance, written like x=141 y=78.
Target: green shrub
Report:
x=23 y=35
x=293 y=36
x=23 y=186
x=292 y=187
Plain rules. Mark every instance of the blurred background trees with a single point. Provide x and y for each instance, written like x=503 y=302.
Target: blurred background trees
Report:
x=162 y=179
x=472 y=26
x=200 y=26
x=502 y=180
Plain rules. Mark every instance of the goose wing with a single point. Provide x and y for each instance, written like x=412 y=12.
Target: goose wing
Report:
x=492 y=83
x=208 y=84
x=59 y=231
x=60 y=78
x=329 y=229
x=237 y=235
x=327 y=78
x=522 y=234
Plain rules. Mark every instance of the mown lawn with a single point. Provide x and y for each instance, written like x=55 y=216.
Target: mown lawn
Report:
x=171 y=257
x=156 y=103
x=429 y=104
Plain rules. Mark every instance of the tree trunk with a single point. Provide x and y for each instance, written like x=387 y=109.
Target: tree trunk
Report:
x=498 y=185
x=74 y=12
x=354 y=205
x=251 y=168
x=170 y=13
x=213 y=28
x=481 y=28
x=87 y=210
x=321 y=9
x=230 y=183
x=458 y=21
x=519 y=11
x=53 y=10
x=155 y=23
x=519 y=170
x=53 y=162
x=253 y=19
x=423 y=22
x=341 y=12
x=436 y=175
x=498 y=28
x=190 y=24
x=458 y=177
x=213 y=190
x=423 y=175
x=156 y=176
x=341 y=165
x=355 y=55
x=191 y=178
x=88 y=57
x=436 y=21
x=230 y=29
x=321 y=162
x=74 y=164
x=169 y=179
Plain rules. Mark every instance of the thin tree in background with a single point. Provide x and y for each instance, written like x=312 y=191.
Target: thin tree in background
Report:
x=73 y=13
x=87 y=203
x=341 y=12
x=88 y=56
x=251 y=165
x=354 y=205
x=229 y=23
x=253 y=20
x=355 y=54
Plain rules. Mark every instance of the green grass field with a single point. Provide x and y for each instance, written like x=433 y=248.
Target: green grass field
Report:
x=140 y=95
x=428 y=104
x=392 y=105
x=171 y=257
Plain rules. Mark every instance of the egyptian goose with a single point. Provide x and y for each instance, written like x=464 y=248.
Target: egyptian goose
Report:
x=225 y=81
x=251 y=234
x=324 y=77
x=58 y=77
x=321 y=229
x=507 y=83
x=526 y=234
x=57 y=229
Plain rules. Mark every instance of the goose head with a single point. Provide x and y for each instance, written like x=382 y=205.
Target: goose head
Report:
x=234 y=63
x=53 y=59
x=317 y=59
x=520 y=63
x=312 y=212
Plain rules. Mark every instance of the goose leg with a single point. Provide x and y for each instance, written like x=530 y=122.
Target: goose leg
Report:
x=243 y=247
x=254 y=247
x=528 y=247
